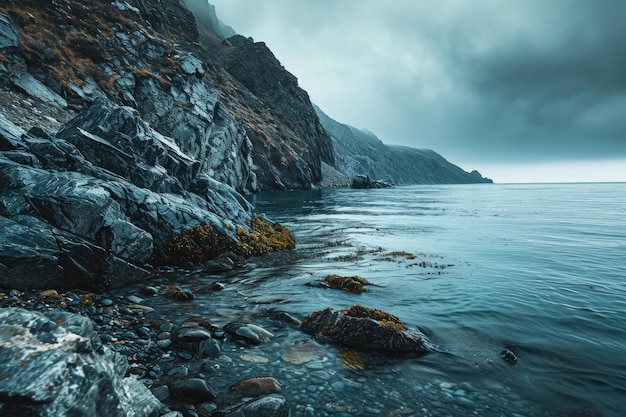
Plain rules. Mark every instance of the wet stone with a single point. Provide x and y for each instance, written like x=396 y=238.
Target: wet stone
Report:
x=249 y=333
x=191 y=334
x=134 y=299
x=144 y=331
x=179 y=371
x=173 y=414
x=108 y=338
x=166 y=327
x=161 y=392
x=194 y=390
x=209 y=347
x=149 y=290
x=106 y=302
x=164 y=336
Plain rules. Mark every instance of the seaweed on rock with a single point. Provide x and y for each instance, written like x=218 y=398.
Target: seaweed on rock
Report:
x=352 y=284
x=365 y=328
x=201 y=243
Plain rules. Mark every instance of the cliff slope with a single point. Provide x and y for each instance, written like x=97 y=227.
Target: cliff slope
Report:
x=121 y=126
x=360 y=152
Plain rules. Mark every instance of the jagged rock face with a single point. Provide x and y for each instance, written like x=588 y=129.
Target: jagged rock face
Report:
x=252 y=131
x=294 y=161
x=83 y=216
x=358 y=152
x=76 y=375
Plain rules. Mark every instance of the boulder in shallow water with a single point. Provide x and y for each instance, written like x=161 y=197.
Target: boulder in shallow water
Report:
x=55 y=365
x=255 y=387
x=249 y=333
x=353 y=284
x=270 y=406
x=365 y=328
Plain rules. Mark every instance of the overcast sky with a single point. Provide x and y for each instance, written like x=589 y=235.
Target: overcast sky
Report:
x=522 y=90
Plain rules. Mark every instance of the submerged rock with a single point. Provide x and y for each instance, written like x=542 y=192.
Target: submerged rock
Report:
x=249 y=333
x=54 y=365
x=195 y=390
x=353 y=284
x=303 y=352
x=366 y=328
x=255 y=387
x=270 y=406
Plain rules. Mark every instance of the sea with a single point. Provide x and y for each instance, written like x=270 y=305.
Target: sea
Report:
x=535 y=269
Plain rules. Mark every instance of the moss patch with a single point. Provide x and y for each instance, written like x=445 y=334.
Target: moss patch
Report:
x=196 y=245
x=263 y=238
x=353 y=284
x=385 y=319
x=201 y=243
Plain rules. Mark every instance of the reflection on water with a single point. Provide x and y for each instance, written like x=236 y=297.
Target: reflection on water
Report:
x=538 y=269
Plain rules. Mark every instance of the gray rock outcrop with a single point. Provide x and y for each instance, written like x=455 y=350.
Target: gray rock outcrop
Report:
x=75 y=374
x=91 y=215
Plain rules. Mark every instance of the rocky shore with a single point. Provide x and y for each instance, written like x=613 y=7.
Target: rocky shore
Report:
x=130 y=132
x=141 y=348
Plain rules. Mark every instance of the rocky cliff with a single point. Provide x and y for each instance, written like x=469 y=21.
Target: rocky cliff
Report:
x=124 y=124
x=361 y=152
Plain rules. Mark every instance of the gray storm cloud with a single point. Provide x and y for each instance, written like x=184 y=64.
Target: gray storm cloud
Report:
x=513 y=80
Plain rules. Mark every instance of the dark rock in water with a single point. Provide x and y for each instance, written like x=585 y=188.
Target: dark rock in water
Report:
x=49 y=368
x=149 y=290
x=176 y=293
x=209 y=347
x=364 y=181
x=255 y=387
x=284 y=317
x=509 y=356
x=249 y=333
x=191 y=334
x=221 y=264
x=270 y=406
x=195 y=390
x=353 y=284
x=196 y=340
x=366 y=328
x=361 y=181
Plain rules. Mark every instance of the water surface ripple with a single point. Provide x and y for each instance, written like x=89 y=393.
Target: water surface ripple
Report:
x=538 y=269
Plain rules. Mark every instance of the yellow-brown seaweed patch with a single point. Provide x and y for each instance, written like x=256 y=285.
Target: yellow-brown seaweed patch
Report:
x=353 y=284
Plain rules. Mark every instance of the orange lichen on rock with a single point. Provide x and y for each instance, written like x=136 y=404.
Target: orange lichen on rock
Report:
x=262 y=238
x=196 y=245
x=383 y=318
x=201 y=243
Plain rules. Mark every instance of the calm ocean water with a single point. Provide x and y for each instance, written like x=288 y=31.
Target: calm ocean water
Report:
x=537 y=269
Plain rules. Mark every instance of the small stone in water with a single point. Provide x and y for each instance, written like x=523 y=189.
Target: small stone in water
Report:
x=509 y=356
x=166 y=327
x=248 y=357
x=106 y=302
x=134 y=299
x=149 y=290
x=108 y=338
